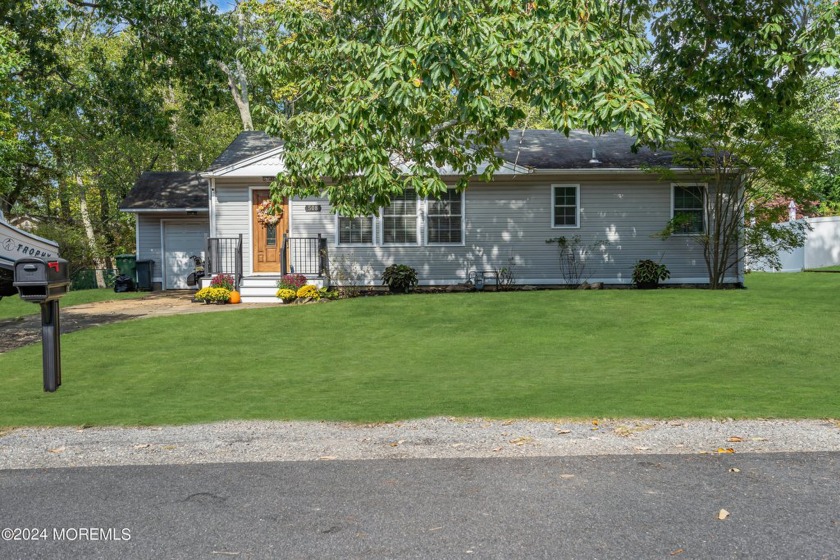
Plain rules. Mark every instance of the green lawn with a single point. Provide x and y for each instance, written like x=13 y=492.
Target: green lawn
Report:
x=825 y=269
x=767 y=351
x=11 y=307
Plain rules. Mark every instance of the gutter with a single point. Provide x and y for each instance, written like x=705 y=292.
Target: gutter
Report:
x=157 y=210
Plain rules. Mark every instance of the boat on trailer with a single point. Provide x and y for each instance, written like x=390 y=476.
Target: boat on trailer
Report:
x=16 y=244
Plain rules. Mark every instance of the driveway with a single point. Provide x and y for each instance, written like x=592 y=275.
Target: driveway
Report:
x=18 y=332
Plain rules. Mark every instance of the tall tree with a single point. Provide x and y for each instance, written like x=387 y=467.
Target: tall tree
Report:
x=727 y=77
x=380 y=96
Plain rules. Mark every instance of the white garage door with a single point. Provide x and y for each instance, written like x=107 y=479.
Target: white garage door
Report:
x=180 y=241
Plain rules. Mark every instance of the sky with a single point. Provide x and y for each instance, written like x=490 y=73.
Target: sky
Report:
x=223 y=5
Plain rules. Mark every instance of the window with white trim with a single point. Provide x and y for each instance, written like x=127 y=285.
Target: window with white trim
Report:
x=688 y=208
x=565 y=206
x=445 y=218
x=399 y=220
x=355 y=231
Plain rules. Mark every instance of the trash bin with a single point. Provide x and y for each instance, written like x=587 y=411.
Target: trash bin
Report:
x=127 y=264
x=144 y=275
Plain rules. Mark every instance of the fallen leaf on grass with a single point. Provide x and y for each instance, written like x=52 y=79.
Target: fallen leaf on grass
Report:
x=57 y=450
x=734 y=439
x=507 y=422
x=722 y=514
x=725 y=450
x=562 y=431
x=521 y=440
x=396 y=443
x=678 y=551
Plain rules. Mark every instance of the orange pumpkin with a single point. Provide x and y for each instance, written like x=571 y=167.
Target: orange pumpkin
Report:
x=235 y=297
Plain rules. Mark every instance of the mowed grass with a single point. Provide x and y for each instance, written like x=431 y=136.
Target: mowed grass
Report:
x=768 y=351
x=11 y=307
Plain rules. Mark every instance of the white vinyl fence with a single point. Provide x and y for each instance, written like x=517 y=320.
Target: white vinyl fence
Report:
x=822 y=247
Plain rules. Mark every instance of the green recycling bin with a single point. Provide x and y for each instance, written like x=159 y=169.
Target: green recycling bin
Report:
x=127 y=265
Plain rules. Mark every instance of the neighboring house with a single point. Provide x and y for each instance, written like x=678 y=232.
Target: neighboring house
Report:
x=553 y=186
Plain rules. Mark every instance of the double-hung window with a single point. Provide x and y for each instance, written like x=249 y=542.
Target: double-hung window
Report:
x=355 y=231
x=399 y=220
x=688 y=208
x=444 y=218
x=565 y=206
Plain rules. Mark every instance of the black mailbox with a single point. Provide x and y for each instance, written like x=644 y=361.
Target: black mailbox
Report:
x=39 y=280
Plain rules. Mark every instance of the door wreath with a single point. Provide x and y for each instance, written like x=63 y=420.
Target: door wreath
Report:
x=265 y=216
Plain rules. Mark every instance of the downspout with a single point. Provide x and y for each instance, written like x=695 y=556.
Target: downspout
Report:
x=211 y=197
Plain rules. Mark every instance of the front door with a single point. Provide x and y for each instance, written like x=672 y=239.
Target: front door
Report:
x=267 y=239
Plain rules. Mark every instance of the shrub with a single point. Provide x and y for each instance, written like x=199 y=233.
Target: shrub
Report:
x=286 y=294
x=222 y=281
x=292 y=282
x=647 y=274
x=326 y=293
x=400 y=278
x=308 y=291
x=212 y=294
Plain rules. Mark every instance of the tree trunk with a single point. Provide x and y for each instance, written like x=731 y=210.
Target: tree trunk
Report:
x=173 y=128
x=107 y=232
x=238 y=86
x=89 y=233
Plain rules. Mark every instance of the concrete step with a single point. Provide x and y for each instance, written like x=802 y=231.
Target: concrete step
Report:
x=258 y=291
x=261 y=299
x=259 y=282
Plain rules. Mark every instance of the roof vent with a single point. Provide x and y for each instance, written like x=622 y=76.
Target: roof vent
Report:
x=594 y=160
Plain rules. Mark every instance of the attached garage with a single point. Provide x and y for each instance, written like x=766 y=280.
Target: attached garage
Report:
x=181 y=240
x=172 y=225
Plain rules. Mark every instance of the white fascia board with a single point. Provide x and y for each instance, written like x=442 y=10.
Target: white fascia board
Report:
x=158 y=210
x=231 y=169
x=609 y=171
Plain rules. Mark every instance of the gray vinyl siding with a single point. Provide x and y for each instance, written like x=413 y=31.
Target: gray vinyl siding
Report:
x=148 y=233
x=510 y=221
x=233 y=212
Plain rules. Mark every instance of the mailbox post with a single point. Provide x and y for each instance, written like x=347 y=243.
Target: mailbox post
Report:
x=44 y=282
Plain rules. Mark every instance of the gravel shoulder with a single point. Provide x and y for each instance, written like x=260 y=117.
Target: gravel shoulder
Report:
x=231 y=442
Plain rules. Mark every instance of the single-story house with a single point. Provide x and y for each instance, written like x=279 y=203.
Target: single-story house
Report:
x=552 y=186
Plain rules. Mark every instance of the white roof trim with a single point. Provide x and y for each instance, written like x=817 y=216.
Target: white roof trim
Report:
x=242 y=163
x=182 y=210
x=610 y=171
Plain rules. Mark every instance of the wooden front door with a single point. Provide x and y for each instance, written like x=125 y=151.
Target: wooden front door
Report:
x=268 y=240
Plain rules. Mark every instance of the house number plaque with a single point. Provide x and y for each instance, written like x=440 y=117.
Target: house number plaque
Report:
x=313 y=207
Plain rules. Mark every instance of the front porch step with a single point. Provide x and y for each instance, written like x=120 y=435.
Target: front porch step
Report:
x=261 y=299
x=263 y=289
x=257 y=291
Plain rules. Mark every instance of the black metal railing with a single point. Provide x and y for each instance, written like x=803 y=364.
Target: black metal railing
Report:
x=224 y=256
x=304 y=255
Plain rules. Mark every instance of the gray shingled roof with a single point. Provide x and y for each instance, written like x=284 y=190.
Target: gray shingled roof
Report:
x=167 y=190
x=246 y=144
x=548 y=149
x=539 y=149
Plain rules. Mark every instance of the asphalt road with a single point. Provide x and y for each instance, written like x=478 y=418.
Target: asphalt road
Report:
x=780 y=506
